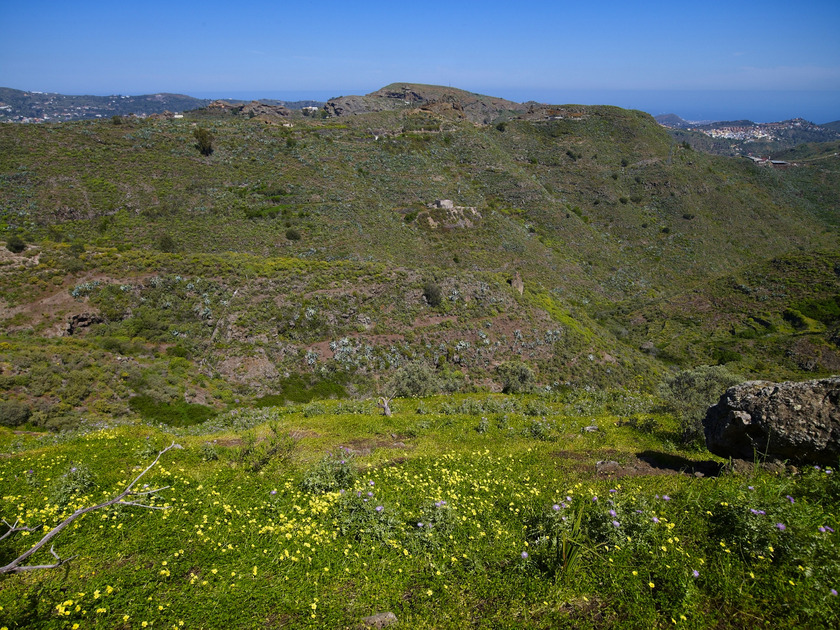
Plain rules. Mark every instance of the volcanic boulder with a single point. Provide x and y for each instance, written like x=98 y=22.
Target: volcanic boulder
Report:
x=792 y=421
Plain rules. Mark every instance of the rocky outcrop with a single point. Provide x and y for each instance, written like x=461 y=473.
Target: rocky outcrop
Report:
x=799 y=422
x=82 y=320
x=446 y=101
x=251 y=110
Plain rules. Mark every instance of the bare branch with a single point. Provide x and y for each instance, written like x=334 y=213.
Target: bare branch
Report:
x=144 y=505
x=14 y=565
x=385 y=405
x=150 y=491
x=14 y=529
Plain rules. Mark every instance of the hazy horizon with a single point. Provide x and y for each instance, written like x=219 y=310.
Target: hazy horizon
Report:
x=718 y=61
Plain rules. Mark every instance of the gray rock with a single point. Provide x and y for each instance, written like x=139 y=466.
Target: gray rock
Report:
x=379 y=620
x=607 y=466
x=792 y=421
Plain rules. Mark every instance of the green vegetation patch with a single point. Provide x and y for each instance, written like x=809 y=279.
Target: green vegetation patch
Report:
x=174 y=414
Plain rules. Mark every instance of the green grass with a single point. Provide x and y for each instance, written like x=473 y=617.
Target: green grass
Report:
x=243 y=544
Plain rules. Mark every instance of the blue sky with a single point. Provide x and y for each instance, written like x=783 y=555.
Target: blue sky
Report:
x=716 y=60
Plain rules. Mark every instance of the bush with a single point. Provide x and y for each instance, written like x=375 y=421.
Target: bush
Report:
x=292 y=234
x=72 y=485
x=13 y=413
x=176 y=414
x=432 y=292
x=689 y=393
x=414 y=379
x=166 y=244
x=333 y=472
x=516 y=377
x=203 y=140
x=15 y=244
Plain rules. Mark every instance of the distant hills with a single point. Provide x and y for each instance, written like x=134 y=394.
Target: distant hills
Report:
x=22 y=106
x=745 y=136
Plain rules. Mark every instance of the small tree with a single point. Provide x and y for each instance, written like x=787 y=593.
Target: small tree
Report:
x=432 y=293
x=414 y=379
x=689 y=393
x=15 y=244
x=516 y=377
x=204 y=140
x=166 y=244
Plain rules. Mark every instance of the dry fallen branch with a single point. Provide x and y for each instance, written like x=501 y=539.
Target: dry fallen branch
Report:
x=385 y=405
x=15 y=565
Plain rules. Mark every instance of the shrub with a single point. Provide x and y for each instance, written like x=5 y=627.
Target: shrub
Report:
x=360 y=517
x=13 y=413
x=414 y=379
x=166 y=244
x=292 y=234
x=176 y=414
x=203 y=140
x=432 y=292
x=516 y=377
x=335 y=471
x=72 y=485
x=15 y=244
x=434 y=525
x=689 y=393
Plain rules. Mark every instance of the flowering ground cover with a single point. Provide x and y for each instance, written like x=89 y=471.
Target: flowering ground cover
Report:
x=319 y=515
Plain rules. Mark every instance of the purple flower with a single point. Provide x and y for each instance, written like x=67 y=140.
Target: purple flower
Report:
x=655 y=520
x=750 y=488
x=524 y=555
x=594 y=499
x=273 y=492
x=781 y=527
x=665 y=497
x=74 y=469
x=790 y=498
x=695 y=573
x=612 y=513
x=569 y=499
x=616 y=524
x=613 y=490
x=379 y=508
x=833 y=592
x=828 y=529
x=555 y=507
x=370 y=494
x=370 y=483
x=758 y=512
x=358 y=493
x=419 y=524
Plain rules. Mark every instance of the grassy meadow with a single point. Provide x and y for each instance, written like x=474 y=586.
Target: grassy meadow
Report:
x=468 y=511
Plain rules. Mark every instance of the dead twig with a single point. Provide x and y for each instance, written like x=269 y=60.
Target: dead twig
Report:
x=15 y=565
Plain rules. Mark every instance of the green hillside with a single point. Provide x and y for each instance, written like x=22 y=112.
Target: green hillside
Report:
x=313 y=249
